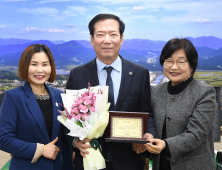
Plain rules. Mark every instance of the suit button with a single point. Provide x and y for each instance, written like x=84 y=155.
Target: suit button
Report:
x=172 y=99
x=168 y=118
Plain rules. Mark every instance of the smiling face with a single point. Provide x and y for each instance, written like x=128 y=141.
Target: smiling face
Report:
x=107 y=40
x=175 y=73
x=39 y=69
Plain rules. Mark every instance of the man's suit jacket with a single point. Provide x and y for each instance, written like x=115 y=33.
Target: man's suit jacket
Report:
x=189 y=125
x=22 y=126
x=134 y=96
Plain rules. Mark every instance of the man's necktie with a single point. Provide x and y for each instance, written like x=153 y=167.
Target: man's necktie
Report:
x=109 y=83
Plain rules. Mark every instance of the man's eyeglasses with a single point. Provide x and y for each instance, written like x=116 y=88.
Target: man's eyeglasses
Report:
x=180 y=63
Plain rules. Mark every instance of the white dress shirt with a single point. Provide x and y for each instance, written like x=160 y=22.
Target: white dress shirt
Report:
x=116 y=75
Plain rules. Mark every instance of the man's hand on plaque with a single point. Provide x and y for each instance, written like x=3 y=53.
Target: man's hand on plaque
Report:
x=138 y=147
x=157 y=148
x=148 y=136
x=80 y=144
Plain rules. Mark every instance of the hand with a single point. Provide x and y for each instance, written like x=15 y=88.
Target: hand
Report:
x=148 y=136
x=51 y=150
x=138 y=147
x=157 y=148
x=82 y=146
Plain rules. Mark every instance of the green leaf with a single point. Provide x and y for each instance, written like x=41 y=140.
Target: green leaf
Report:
x=78 y=123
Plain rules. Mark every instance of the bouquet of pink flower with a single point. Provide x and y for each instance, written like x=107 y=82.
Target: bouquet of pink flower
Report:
x=86 y=116
x=82 y=107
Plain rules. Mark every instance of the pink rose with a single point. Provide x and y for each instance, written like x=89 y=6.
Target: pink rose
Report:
x=91 y=94
x=93 y=102
x=80 y=98
x=80 y=106
x=84 y=109
x=80 y=101
x=75 y=103
x=75 y=110
x=86 y=98
x=74 y=116
x=92 y=109
x=84 y=116
x=93 y=98
x=88 y=102
x=78 y=117
x=85 y=94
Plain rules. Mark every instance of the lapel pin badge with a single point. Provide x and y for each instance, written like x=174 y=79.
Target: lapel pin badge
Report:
x=130 y=73
x=57 y=105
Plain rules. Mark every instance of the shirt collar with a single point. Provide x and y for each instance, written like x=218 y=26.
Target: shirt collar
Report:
x=117 y=64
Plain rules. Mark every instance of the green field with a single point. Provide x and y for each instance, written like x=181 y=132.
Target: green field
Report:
x=212 y=78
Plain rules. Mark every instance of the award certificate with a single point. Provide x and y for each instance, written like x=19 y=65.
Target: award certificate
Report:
x=125 y=127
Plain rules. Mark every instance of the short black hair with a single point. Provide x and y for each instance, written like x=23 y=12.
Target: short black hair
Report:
x=177 y=44
x=100 y=17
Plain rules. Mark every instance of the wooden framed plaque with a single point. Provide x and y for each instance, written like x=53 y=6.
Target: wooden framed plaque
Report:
x=127 y=127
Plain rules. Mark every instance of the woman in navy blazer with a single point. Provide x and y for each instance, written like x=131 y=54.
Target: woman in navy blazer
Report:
x=29 y=129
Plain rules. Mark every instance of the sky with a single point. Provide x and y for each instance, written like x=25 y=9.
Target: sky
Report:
x=144 y=19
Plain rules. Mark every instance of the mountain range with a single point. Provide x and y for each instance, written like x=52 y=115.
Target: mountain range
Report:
x=145 y=44
x=142 y=51
x=13 y=48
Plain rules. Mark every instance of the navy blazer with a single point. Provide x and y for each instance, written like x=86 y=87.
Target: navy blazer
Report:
x=134 y=96
x=22 y=126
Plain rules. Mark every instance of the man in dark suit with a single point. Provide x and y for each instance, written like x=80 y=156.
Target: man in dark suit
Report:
x=129 y=89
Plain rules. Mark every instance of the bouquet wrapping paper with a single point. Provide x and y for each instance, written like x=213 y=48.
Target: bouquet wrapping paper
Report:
x=86 y=116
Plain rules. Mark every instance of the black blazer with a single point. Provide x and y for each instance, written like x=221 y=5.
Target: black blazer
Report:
x=134 y=96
